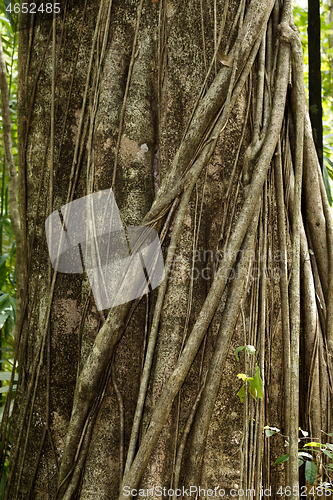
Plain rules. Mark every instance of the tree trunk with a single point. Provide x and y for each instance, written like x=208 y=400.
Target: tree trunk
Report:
x=218 y=157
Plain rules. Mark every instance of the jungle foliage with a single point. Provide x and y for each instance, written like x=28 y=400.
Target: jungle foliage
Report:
x=251 y=379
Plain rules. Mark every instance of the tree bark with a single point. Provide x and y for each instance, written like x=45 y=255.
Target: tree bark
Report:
x=127 y=95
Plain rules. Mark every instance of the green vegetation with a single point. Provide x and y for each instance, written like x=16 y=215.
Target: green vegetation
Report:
x=311 y=454
x=9 y=35
x=255 y=383
x=301 y=20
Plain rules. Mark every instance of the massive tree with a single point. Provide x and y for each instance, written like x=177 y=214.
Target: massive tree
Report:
x=194 y=114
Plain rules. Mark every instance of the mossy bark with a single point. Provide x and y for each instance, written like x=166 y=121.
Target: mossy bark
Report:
x=126 y=117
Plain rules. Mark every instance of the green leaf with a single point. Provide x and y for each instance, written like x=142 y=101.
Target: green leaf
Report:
x=300 y=462
x=3 y=318
x=8 y=13
x=4 y=21
x=5 y=388
x=313 y=443
x=329 y=163
x=250 y=349
x=275 y=429
x=328 y=453
x=283 y=458
x=7 y=376
x=269 y=432
x=242 y=376
x=10 y=409
x=12 y=302
x=4 y=360
x=252 y=388
x=7 y=330
x=303 y=454
x=4 y=301
x=239 y=349
x=258 y=383
x=241 y=394
x=3 y=259
x=310 y=471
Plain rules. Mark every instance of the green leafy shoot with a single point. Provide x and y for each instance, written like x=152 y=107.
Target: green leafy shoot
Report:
x=309 y=459
x=310 y=465
x=250 y=349
x=255 y=385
